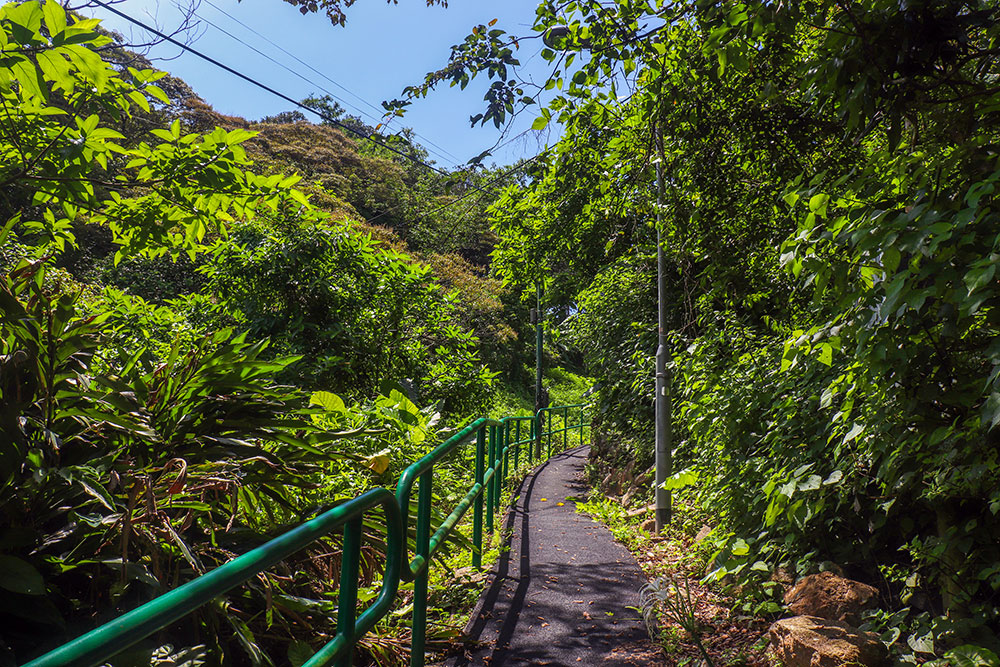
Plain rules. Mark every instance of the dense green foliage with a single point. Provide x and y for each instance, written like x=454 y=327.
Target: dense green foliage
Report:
x=198 y=350
x=830 y=227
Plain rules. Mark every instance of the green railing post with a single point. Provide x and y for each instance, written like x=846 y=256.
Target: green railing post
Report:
x=497 y=482
x=477 y=508
x=491 y=485
x=347 y=607
x=531 y=441
x=565 y=428
x=504 y=445
x=505 y=448
x=537 y=444
x=419 y=627
x=548 y=454
x=582 y=441
x=517 y=442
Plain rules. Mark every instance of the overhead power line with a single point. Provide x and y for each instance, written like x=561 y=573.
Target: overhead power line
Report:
x=440 y=152
x=474 y=188
x=264 y=86
x=286 y=67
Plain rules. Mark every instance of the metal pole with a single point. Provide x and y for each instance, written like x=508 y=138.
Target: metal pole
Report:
x=538 y=359
x=477 y=507
x=418 y=630
x=565 y=428
x=505 y=448
x=517 y=442
x=350 y=563
x=663 y=453
x=492 y=484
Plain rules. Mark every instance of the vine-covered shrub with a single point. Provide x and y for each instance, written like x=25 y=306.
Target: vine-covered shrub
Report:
x=360 y=314
x=828 y=212
x=146 y=440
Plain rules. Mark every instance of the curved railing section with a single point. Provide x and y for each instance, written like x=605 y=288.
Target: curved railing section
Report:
x=111 y=638
x=498 y=445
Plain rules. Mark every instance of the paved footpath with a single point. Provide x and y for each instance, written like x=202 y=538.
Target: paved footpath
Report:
x=561 y=594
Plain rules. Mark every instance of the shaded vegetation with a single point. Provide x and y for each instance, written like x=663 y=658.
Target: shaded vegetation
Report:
x=211 y=328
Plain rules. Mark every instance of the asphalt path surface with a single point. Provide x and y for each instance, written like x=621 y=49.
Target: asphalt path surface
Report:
x=561 y=594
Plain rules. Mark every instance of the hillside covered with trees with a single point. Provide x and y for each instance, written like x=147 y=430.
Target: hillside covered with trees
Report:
x=213 y=326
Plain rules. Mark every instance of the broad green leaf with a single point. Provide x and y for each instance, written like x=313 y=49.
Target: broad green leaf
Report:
x=968 y=655
x=299 y=653
x=328 y=401
x=379 y=463
x=19 y=576
x=28 y=77
x=680 y=479
x=55 y=68
x=855 y=431
x=811 y=483
x=818 y=204
x=978 y=277
x=55 y=17
x=826 y=354
x=890 y=259
x=921 y=643
x=740 y=547
x=89 y=65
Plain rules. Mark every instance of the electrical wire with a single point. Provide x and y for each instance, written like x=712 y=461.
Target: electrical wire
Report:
x=482 y=189
x=503 y=175
x=283 y=66
x=442 y=151
x=264 y=86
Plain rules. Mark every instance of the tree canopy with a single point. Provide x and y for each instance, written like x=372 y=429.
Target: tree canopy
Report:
x=830 y=227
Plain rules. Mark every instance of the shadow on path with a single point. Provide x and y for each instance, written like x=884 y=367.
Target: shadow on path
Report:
x=561 y=594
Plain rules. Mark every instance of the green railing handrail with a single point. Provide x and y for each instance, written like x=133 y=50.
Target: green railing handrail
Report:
x=494 y=447
x=132 y=627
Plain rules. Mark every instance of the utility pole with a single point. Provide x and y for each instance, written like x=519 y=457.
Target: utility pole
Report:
x=539 y=396
x=663 y=434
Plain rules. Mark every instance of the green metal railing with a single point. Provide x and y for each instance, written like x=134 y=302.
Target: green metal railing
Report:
x=111 y=638
x=498 y=446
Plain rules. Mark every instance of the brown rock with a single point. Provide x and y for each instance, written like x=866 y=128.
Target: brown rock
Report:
x=649 y=525
x=808 y=641
x=611 y=485
x=628 y=474
x=703 y=533
x=828 y=595
x=639 y=511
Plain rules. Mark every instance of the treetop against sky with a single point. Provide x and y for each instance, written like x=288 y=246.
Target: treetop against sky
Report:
x=382 y=49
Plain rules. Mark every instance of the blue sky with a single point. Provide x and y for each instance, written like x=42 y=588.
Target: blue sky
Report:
x=382 y=48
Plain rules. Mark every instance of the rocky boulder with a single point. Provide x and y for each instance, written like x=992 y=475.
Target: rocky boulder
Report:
x=829 y=595
x=808 y=641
